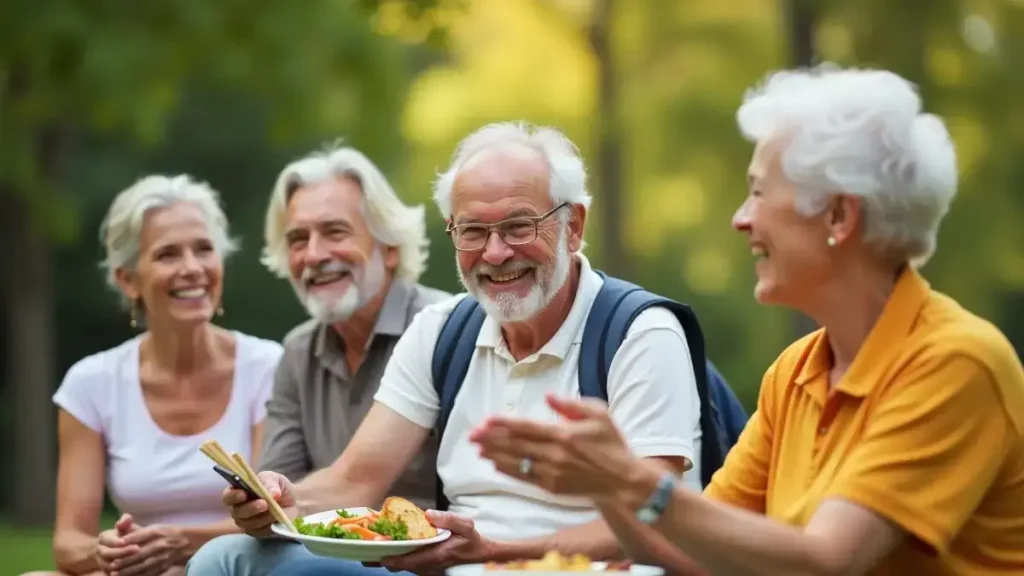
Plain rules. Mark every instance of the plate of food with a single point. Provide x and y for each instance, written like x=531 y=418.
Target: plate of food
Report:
x=555 y=564
x=365 y=534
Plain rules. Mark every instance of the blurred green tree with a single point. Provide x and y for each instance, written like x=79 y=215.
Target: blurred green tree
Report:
x=76 y=67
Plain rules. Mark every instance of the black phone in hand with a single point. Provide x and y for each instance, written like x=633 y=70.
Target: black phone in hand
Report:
x=237 y=483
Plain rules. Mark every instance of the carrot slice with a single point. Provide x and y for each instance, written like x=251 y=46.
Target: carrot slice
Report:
x=364 y=533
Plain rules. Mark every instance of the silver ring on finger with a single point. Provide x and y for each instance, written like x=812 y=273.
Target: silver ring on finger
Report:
x=526 y=466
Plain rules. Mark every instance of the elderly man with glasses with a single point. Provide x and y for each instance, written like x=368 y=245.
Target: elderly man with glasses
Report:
x=515 y=199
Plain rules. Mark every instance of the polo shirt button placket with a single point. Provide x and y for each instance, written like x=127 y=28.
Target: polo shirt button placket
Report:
x=513 y=388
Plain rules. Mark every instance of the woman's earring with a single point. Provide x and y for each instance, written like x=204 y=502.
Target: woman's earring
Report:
x=831 y=241
x=133 y=312
x=220 y=310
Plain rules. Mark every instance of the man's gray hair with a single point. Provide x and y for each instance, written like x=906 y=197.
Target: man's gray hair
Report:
x=568 y=177
x=860 y=132
x=391 y=222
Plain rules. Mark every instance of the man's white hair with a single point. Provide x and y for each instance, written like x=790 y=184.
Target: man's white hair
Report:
x=122 y=225
x=568 y=177
x=860 y=132
x=390 y=221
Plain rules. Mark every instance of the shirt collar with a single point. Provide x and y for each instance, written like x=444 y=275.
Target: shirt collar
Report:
x=894 y=325
x=390 y=322
x=571 y=330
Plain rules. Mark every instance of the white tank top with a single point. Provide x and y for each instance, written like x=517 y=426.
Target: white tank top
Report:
x=160 y=478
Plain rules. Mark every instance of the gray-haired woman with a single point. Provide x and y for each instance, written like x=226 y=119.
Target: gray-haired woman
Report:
x=131 y=418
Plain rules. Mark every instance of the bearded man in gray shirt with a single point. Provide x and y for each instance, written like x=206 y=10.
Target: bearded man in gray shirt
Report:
x=353 y=252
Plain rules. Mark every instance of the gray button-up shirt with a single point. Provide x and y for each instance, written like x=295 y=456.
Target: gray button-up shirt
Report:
x=317 y=405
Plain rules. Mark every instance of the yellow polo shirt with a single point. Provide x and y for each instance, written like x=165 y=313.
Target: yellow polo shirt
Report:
x=926 y=428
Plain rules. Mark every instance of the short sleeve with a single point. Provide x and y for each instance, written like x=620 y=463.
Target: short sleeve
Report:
x=406 y=386
x=84 y=390
x=284 y=448
x=264 y=367
x=743 y=478
x=652 y=392
x=932 y=449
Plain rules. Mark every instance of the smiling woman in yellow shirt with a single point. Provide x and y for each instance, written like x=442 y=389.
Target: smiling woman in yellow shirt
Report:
x=923 y=431
x=889 y=442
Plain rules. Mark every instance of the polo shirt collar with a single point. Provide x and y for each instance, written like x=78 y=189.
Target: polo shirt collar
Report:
x=883 y=342
x=330 y=349
x=571 y=330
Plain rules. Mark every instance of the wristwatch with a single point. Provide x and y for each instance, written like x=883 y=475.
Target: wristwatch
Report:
x=659 y=500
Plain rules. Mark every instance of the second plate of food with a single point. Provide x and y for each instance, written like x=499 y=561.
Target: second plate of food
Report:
x=555 y=564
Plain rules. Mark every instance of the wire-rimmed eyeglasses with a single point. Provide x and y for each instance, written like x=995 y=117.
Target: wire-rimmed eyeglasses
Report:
x=513 y=231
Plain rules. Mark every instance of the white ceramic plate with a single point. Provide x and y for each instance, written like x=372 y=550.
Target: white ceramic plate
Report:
x=596 y=569
x=359 y=550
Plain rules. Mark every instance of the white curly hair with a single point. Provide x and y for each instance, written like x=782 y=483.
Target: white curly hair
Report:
x=860 y=132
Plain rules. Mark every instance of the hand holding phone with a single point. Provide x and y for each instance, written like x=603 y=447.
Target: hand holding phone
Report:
x=237 y=483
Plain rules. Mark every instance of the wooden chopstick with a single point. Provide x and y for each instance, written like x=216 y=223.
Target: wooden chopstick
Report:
x=213 y=450
x=249 y=475
x=236 y=464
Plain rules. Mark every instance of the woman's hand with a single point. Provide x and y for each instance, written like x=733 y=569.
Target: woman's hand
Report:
x=110 y=545
x=585 y=455
x=158 y=548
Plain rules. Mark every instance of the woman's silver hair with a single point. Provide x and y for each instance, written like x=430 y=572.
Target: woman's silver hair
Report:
x=860 y=132
x=567 y=173
x=391 y=222
x=121 y=228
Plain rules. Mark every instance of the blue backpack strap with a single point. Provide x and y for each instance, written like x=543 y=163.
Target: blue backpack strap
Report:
x=453 y=352
x=617 y=304
x=730 y=414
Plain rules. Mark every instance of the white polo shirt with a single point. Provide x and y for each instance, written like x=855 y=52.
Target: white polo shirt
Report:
x=652 y=398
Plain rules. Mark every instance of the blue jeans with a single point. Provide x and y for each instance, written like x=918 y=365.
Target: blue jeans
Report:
x=317 y=566
x=241 y=555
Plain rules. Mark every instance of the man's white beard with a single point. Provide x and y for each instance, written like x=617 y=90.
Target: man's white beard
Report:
x=365 y=284
x=506 y=307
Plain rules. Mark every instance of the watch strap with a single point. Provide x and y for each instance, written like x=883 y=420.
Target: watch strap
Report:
x=658 y=502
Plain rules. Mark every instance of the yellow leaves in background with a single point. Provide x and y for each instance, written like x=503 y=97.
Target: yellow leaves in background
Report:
x=708 y=269
x=670 y=205
x=835 y=40
x=971 y=140
x=945 y=66
x=511 y=59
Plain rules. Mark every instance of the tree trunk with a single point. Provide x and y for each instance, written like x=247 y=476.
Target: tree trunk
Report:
x=31 y=356
x=608 y=166
x=799 y=18
x=28 y=293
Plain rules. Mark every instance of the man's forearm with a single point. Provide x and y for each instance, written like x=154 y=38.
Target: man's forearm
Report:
x=593 y=539
x=327 y=489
